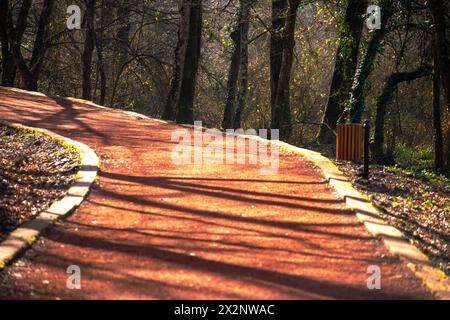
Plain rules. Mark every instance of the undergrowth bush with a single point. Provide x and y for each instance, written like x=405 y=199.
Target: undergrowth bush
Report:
x=417 y=157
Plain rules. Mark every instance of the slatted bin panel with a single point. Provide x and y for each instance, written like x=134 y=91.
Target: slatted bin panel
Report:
x=349 y=141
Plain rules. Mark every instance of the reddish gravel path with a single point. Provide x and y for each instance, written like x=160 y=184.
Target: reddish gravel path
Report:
x=154 y=230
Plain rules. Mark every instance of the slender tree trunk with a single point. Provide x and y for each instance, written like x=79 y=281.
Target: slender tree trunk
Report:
x=29 y=73
x=8 y=67
x=356 y=103
x=89 y=45
x=185 y=106
x=345 y=67
x=170 y=107
x=437 y=121
x=390 y=85
x=99 y=48
x=243 y=64
x=279 y=13
x=282 y=117
x=439 y=9
x=233 y=74
x=123 y=43
x=101 y=68
x=41 y=43
x=123 y=33
x=16 y=36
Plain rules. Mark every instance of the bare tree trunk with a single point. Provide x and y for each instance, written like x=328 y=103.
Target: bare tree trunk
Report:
x=123 y=33
x=233 y=74
x=185 y=106
x=170 y=107
x=99 y=48
x=8 y=67
x=279 y=12
x=89 y=45
x=282 y=118
x=123 y=44
x=16 y=35
x=101 y=68
x=243 y=64
x=356 y=104
x=390 y=85
x=344 y=69
x=29 y=73
x=437 y=121
x=41 y=43
x=438 y=10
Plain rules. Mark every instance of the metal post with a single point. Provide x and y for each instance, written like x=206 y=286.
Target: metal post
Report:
x=366 y=127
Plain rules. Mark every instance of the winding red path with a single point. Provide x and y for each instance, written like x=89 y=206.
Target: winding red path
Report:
x=154 y=230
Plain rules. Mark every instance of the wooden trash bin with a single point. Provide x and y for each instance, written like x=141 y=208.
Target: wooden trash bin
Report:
x=349 y=141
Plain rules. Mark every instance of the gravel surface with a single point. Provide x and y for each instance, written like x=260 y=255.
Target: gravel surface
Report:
x=34 y=171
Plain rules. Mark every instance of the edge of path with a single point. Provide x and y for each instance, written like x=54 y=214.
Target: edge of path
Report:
x=20 y=239
x=434 y=279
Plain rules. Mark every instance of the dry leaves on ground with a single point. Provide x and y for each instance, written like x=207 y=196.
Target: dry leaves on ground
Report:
x=35 y=170
x=417 y=203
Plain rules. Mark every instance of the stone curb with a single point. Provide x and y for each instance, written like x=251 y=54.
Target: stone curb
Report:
x=434 y=279
x=26 y=234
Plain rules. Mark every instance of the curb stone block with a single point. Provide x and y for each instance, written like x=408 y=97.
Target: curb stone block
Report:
x=26 y=234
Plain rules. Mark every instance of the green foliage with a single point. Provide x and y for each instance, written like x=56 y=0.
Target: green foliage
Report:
x=426 y=176
x=417 y=157
x=432 y=178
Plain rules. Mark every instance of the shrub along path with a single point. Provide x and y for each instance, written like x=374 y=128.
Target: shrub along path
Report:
x=153 y=229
